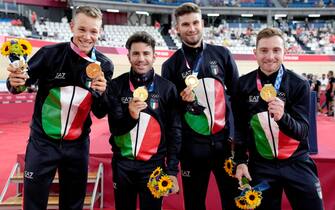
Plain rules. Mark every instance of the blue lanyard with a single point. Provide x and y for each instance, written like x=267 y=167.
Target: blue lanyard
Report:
x=198 y=62
x=279 y=78
x=93 y=57
x=277 y=82
x=151 y=87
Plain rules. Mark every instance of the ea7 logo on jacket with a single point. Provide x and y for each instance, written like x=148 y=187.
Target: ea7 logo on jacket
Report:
x=60 y=75
x=186 y=73
x=253 y=99
x=125 y=100
x=29 y=175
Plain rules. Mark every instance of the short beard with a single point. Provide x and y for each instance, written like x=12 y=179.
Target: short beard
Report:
x=193 y=43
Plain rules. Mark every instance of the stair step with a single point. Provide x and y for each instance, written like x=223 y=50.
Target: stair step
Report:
x=18 y=178
x=16 y=201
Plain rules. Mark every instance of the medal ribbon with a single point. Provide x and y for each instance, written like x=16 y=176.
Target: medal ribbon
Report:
x=199 y=59
x=93 y=57
x=277 y=82
x=150 y=88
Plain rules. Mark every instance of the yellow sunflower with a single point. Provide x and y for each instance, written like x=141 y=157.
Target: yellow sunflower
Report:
x=228 y=166
x=156 y=172
x=164 y=184
x=241 y=203
x=152 y=187
x=155 y=193
x=25 y=46
x=5 y=48
x=253 y=198
x=15 y=48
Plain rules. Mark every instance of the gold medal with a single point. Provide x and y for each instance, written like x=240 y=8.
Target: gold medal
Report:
x=93 y=70
x=191 y=80
x=268 y=92
x=141 y=93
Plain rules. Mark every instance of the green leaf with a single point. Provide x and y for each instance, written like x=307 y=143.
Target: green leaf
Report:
x=245 y=181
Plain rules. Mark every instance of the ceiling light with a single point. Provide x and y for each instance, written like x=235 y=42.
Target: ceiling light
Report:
x=142 y=13
x=247 y=15
x=113 y=10
x=213 y=15
x=314 y=15
x=280 y=15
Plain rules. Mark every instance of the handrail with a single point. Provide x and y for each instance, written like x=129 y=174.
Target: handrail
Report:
x=95 y=189
x=14 y=169
x=95 y=194
x=102 y=188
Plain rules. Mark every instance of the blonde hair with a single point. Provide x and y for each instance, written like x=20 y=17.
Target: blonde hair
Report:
x=90 y=11
x=268 y=33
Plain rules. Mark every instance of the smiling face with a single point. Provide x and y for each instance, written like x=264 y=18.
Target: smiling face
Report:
x=190 y=28
x=86 y=31
x=141 y=57
x=270 y=54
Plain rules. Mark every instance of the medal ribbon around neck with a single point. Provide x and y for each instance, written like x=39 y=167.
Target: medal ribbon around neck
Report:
x=93 y=57
x=277 y=82
x=150 y=88
x=198 y=62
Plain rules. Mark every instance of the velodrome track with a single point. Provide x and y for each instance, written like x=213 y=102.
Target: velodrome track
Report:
x=314 y=64
x=14 y=130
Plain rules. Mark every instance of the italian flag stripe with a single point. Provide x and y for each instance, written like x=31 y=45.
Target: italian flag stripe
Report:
x=284 y=145
x=219 y=108
x=55 y=112
x=124 y=142
x=144 y=120
x=80 y=112
x=51 y=117
x=213 y=99
x=198 y=123
x=202 y=99
x=263 y=146
x=150 y=140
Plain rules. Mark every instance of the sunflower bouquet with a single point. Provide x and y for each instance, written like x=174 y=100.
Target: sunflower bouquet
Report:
x=17 y=51
x=229 y=165
x=250 y=197
x=159 y=183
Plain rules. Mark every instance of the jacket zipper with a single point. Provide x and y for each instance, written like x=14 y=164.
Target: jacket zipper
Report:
x=210 y=111
x=273 y=139
x=68 y=116
x=137 y=130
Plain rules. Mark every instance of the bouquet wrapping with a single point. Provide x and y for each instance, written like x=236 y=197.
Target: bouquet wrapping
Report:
x=17 y=51
x=250 y=197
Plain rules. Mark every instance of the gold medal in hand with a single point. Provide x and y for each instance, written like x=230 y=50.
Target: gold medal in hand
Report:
x=192 y=81
x=93 y=70
x=141 y=93
x=268 y=92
